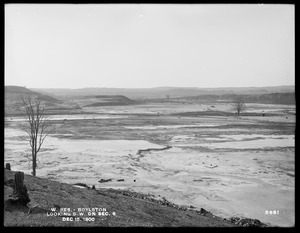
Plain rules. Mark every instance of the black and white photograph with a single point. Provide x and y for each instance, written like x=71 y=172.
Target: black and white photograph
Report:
x=149 y=115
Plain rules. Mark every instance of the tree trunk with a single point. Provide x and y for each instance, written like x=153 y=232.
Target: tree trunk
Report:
x=34 y=157
x=34 y=165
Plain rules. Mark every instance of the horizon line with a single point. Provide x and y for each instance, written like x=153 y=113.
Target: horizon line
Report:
x=188 y=87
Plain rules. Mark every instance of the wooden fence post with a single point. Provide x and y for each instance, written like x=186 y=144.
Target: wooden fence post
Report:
x=7 y=166
x=20 y=190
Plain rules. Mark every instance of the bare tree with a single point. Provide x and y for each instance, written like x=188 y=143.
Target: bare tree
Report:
x=37 y=125
x=239 y=104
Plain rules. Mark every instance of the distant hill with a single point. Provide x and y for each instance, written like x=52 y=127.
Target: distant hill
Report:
x=272 y=98
x=14 y=92
x=163 y=92
x=106 y=100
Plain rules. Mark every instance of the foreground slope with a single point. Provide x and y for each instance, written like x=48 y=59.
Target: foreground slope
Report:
x=124 y=211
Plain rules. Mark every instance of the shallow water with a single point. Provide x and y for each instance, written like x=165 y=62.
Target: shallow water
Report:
x=238 y=141
x=271 y=141
x=172 y=126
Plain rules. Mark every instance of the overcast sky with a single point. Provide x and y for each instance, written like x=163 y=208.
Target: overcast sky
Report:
x=136 y=45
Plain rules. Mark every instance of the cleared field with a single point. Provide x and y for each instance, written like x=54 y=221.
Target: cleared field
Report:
x=232 y=166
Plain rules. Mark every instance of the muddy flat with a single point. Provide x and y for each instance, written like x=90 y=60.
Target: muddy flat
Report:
x=232 y=166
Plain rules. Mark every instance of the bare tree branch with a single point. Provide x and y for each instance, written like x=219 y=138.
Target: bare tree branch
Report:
x=37 y=125
x=239 y=104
